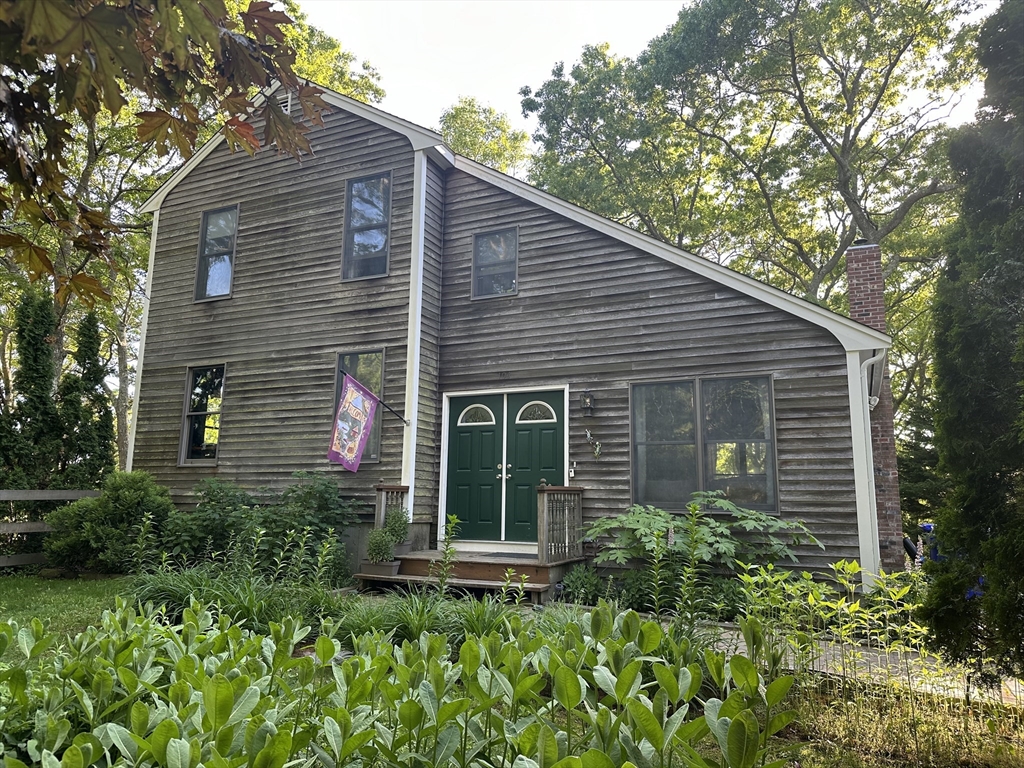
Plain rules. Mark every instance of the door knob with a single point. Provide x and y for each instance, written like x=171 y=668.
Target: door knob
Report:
x=508 y=466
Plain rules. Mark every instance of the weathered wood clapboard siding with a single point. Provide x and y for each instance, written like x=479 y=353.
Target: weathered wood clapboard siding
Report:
x=428 y=431
x=289 y=314
x=595 y=313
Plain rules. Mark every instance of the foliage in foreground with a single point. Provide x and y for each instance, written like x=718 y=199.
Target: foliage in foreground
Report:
x=610 y=689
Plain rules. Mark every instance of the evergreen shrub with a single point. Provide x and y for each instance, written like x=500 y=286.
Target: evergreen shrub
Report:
x=98 y=534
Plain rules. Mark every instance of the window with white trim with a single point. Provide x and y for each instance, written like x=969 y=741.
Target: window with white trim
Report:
x=704 y=435
x=367 y=227
x=476 y=415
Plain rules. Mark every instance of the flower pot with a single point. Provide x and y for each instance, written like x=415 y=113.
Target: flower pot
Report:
x=403 y=549
x=387 y=568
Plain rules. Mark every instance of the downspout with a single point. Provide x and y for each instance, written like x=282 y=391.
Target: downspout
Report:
x=142 y=343
x=413 y=343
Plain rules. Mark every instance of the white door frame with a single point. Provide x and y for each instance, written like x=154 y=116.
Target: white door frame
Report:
x=442 y=517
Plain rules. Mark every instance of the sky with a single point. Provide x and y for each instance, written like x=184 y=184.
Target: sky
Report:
x=430 y=53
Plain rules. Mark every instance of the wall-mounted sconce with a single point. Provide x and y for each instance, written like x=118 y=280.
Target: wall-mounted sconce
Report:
x=587 y=402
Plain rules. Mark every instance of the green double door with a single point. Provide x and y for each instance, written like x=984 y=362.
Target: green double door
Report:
x=499 y=449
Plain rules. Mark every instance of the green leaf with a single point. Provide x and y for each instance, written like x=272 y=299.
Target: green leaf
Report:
x=219 y=700
x=592 y=758
x=744 y=674
x=777 y=690
x=178 y=753
x=647 y=723
x=650 y=636
x=72 y=758
x=246 y=704
x=780 y=721
x=547 y=746
x=629 y=682
x=325 y=649
x=567 y=688
x=276 y=752
x=161 y=737
x=140 y=719
x=668 y=682
x=605 y=680
x=743 y=740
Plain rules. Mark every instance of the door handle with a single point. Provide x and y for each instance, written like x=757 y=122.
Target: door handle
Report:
x=504 y=477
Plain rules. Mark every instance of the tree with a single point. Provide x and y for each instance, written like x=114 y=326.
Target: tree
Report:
x=484 y=134
x=975 y=606
x=66 y=59
x=87 y=422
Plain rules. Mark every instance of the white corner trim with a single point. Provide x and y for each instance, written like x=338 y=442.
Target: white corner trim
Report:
x=863 y=467
x=413 y=343
x=851 y=334
x=129 y=459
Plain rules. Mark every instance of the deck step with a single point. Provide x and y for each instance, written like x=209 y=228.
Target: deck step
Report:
x=536 y=591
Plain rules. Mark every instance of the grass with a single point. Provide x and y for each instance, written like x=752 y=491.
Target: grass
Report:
x=69 y=605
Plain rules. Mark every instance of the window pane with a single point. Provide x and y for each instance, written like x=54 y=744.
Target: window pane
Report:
x=214 y=276
x=369 y=202
x=494 y=263
x=203 y=436
x=207 y=387
x=366 y=253
x=665 y=475
x=663 y=412
x=220 y=231
x=736 y=409
x=536 y=412
x=477 y=414
x=743 y=471
x=368 y=369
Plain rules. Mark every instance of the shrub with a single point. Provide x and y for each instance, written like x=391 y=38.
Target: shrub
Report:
x=380 y=548
x=98 y=534
x=396 y=523
x=582 y=585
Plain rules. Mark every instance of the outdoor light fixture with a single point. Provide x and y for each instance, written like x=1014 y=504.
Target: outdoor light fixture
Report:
x=587 y=402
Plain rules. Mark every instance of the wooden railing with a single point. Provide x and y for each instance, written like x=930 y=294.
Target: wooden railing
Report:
x=389 y=496
x=33 y=526
x=559 y=523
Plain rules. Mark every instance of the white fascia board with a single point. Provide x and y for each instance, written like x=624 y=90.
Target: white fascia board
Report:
x=129 y=459
x=851 y=334
x=419 y=137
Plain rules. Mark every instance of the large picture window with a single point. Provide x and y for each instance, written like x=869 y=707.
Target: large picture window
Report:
x=216 y=253
x=495 y=263
x=704 y=435
x=368 y=369
x=201 y=431
x=367 y=223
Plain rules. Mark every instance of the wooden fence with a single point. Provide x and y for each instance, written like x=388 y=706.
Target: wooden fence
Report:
x=33 y=526
x=559 y=524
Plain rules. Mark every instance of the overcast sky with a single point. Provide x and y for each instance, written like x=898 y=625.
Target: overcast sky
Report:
x=429 y=53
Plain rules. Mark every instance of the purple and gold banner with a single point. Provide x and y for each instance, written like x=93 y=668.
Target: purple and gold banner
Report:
x=356 y=409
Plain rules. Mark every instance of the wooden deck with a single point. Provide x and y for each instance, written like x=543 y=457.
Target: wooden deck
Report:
x=476 y=570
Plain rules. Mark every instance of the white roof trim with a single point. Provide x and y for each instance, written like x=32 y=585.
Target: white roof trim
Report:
x=851 y=334
x=420 y=138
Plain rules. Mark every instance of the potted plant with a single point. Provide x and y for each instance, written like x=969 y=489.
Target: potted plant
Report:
x=380 y=554
x=396 y=523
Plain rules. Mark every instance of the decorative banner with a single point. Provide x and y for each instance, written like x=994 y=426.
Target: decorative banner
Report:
x=352 y=424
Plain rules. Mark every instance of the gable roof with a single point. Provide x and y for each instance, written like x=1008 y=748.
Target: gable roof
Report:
x=851 y=334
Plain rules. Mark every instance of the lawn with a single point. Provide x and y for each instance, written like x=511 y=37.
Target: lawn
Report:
x=70 y=605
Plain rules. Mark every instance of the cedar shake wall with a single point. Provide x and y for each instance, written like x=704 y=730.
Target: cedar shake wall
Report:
x=288 y=317
x=598 y=314
x=866 y=294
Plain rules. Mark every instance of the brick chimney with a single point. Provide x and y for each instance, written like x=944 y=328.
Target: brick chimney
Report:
x=866 y=293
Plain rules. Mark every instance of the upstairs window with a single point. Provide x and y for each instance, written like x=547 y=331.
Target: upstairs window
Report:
x=216 y=253
x=495 y=263
x=201 y=431
x=367 y=224
x=368 y=369
x=704 y=435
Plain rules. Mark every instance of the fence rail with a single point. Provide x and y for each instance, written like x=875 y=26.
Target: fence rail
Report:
x=33 y=526
x=559 y=523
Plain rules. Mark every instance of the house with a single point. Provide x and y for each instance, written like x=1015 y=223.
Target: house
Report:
x=534 y=350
